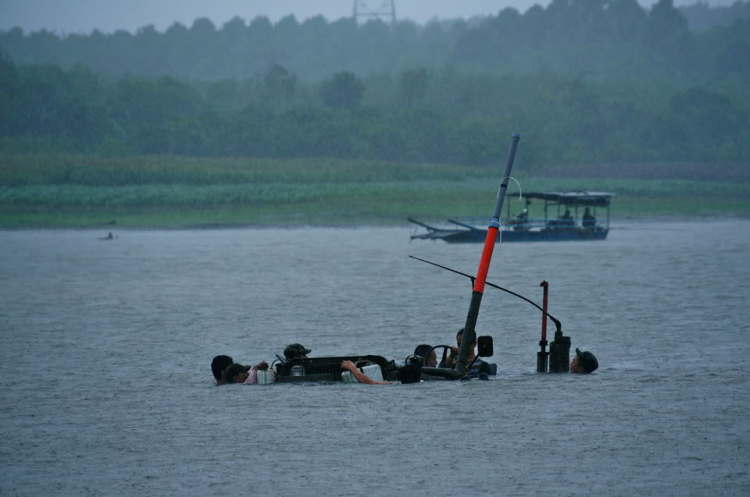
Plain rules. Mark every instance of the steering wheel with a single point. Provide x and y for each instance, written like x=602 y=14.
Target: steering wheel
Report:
x=446 y=350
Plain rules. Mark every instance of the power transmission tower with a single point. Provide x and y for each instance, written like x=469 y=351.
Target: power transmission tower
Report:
x=386 y=11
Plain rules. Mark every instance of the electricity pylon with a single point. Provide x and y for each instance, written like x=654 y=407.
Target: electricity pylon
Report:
x=386 y=11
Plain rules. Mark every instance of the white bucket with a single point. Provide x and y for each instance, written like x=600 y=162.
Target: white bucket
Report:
x=265 y=376
x=373 y=372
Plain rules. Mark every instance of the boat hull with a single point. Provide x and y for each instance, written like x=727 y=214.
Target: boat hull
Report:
x=555 y=235
x=545 y=235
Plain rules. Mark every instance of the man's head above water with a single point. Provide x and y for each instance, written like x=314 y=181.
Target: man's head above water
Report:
x=218 y=365
x=237 y=373
x=584 y=362
x=296 y=351
x=429 y=356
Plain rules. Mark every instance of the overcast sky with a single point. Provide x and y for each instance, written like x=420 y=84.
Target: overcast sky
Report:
x=83 y=16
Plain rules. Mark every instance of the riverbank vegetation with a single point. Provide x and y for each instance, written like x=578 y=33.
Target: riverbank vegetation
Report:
x=85 y=191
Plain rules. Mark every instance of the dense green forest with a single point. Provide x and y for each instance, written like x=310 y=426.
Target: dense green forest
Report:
x=702 y=17
x=602 y=38
x=415 y=116
x=583 y=81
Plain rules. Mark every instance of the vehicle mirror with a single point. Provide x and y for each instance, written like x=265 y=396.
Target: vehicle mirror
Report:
x=484 y=346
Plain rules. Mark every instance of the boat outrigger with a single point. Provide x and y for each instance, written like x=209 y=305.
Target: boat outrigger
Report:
x=557 y=224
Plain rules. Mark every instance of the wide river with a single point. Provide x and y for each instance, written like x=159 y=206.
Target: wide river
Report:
x=106 y=389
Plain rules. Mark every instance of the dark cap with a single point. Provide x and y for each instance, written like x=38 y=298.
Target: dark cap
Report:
x=233 y=370
x=294 y=350
x=587 y=360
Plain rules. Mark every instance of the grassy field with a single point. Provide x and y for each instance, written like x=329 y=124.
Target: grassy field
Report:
x=69 y=191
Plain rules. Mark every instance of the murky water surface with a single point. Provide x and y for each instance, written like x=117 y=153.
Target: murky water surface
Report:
x=105 y=385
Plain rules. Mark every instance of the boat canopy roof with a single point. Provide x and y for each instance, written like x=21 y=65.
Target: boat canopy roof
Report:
x=594 y=199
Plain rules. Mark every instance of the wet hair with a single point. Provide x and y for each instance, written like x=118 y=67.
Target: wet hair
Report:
x=219 y=364
x=411 y=373
x=233 y=370
x=461 y=333
x=422 y=351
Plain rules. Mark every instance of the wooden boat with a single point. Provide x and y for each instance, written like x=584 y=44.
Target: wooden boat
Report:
x=558 y=224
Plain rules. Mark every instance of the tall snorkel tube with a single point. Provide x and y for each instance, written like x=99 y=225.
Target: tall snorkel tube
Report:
x=484 y=266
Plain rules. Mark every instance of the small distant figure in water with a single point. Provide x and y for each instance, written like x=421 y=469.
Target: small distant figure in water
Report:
x=584 y=362
x=589 y=221
x=108 y=237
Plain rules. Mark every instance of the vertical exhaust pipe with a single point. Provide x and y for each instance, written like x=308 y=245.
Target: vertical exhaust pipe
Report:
x=542 y=357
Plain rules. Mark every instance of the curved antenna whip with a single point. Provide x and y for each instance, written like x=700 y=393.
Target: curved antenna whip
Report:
x=558 y=325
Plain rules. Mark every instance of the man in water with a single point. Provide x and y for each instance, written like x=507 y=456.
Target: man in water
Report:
x=583 y=362
x=453 y=356
x=410 y=373
x=218 y=365
x=450 y=361
x=474 y=363
x=296 y=351
x=237 y=373
x=427 y=361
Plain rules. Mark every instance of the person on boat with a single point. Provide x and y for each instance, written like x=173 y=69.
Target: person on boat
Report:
x=218 y=365
x=422 y=351
x=589 y=221
x=521 y=222
x=584 y=362
x=296 y=351
x=237 y=373
x=567 y=219
x=409 y=373
x=108 y=237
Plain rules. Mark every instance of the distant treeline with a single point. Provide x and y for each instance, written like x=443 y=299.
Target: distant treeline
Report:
x=416 y=115
x=702 y=17
x=603 y=38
